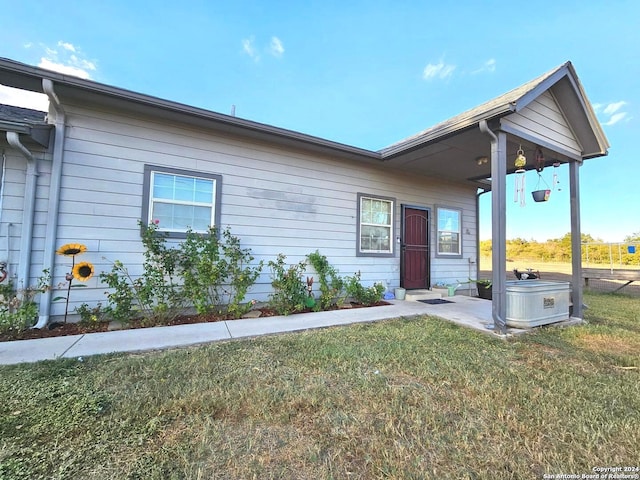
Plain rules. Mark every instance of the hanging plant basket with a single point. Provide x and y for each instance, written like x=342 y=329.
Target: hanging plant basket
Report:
x=541 y=195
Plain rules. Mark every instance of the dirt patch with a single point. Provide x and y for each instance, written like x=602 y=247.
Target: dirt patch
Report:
x=608 y=344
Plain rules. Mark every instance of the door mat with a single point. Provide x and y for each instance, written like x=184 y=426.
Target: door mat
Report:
x=435 y=301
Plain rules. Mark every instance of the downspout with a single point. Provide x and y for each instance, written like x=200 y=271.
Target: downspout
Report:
x=498 y=229
x=2 y=194
x=28 y=209
x=51 y=235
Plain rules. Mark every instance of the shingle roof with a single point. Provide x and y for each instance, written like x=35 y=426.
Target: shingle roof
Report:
x=9 y=113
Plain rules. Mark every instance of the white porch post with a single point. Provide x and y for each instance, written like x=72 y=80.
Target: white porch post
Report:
x=499 y=230
x=576 y=239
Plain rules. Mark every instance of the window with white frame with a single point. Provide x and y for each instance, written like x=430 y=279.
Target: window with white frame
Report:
x=179 y=200
x=449 y=236
x=375 y=225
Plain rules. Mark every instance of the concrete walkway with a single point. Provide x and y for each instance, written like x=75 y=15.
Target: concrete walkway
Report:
x=467 y=311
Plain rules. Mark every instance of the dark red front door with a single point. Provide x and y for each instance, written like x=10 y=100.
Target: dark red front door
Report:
x=414 y=256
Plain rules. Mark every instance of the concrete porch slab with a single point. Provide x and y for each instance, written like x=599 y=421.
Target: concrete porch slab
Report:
x=423 y=294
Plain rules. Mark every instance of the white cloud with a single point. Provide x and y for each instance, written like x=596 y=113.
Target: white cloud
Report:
x=67 y=46
x=614 y=107
x=62 y=68
x=81 y=63
x=276 y=48
x=438 y=70
x=488 y=66
x=250 y=49
x=610 y=113
x=615 y=118
x=65 y=58
x=69 y=60
x=23 y=98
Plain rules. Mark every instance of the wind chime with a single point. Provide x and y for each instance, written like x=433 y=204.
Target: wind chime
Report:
x=519 y=190
x=541 y=194
x=556 y=182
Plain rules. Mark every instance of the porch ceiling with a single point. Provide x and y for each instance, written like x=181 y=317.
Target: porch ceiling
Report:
x=456 y=157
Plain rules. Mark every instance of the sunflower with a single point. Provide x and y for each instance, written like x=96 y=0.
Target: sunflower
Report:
x=71 y=249
x=83 y=271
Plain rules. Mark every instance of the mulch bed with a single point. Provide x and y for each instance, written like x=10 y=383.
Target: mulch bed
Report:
x=65 y=329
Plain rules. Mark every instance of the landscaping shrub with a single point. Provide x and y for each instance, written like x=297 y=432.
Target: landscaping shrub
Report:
x=210 y=274
x=90 y=316
x=217 y=273
x=156 y=294
x=290 y=291
x=331 y=284
x=361 y=294
x=18 y=308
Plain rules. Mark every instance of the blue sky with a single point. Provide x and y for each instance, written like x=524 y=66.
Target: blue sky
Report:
x=365 y=73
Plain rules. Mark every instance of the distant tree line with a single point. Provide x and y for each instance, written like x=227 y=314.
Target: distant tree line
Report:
x=559 y=250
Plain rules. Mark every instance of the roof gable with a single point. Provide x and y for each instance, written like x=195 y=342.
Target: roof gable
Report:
x=564 y=85
x=543 y=121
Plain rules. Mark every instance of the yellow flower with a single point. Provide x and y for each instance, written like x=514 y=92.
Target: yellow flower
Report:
x=83 y=271
x=71 y=249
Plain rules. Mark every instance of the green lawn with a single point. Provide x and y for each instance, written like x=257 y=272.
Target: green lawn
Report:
x=408 y=398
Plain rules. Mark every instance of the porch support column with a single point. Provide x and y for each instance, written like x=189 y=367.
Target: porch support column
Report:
x=499 y=231
x=576 y=239
x=498 y=226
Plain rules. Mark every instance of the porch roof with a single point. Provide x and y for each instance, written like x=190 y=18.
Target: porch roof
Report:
x=452 y=148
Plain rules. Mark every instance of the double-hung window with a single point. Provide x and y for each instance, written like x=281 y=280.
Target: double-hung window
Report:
x=179 y=200
x=449 y=232
x=375 y=225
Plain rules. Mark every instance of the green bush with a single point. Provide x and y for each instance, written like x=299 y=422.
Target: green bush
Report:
x=361 y=294
x=123 y=296
x=18 y=308
x=331 y=284
x=290 y=291
x=156 y=294
x=90 y=316
x=217 y=273
x=210 y=274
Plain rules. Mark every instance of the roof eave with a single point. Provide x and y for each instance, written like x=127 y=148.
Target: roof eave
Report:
x=28 y=77
x=40 y=134
x=588 y=156
x=438 y=134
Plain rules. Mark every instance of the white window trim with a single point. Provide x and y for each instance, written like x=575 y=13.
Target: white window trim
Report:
x=391 y=226
x=148 y=201
x=439 y=253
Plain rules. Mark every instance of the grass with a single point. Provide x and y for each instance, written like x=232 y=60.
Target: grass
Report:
x=408 y=398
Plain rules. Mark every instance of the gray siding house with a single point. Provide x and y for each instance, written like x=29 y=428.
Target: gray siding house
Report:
x=103 y=158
